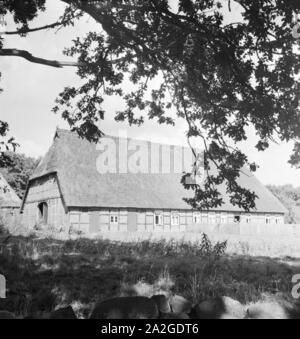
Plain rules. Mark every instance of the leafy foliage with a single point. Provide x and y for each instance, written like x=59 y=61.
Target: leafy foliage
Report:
x=295 y=158
x=290 y=198
x=219 y=77
x=5 y=142
x=18 y=169
x=22 y=11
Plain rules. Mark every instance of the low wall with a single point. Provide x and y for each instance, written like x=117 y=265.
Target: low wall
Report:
x=277 y=230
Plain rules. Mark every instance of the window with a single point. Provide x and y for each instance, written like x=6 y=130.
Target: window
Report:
x=158 y=219
x=268 y=220
x=79 y=221
x=197 y=218
x=175 y=219
x=211 y=219
x=114 y=223
x=204 y=218
x=248 y=219
x=114 y=219
x=237 y=219
x=224 y=219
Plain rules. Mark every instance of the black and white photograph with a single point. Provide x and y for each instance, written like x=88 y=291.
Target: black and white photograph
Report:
x=149 y=162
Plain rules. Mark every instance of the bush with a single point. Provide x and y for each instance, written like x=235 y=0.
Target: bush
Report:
x=207 y=248
x=2 y=226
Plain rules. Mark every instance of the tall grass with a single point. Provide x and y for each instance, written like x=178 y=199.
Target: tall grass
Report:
x=146 y=248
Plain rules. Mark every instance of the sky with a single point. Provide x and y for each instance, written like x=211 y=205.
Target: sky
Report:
x=30 y=91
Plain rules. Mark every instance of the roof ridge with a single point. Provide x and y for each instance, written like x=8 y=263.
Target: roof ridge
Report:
x=63 y=131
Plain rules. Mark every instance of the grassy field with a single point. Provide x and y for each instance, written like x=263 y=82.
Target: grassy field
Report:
x=276 y=246
x=45 y=273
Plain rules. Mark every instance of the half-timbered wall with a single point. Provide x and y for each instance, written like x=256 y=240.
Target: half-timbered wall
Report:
x=45 y=190
x=114 y=220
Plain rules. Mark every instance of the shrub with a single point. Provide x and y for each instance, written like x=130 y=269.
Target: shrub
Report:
x=207 y=248
x=2 y=226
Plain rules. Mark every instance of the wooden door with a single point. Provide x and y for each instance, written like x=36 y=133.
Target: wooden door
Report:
x=94 y=222
x=132 y=222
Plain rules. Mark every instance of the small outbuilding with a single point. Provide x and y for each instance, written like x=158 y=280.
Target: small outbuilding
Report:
x=10 y=203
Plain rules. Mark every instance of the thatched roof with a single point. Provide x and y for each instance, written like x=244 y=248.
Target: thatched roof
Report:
x=8 y=197
x=74 y=161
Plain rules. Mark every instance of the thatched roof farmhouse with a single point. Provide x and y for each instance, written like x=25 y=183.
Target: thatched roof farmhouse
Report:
x=85 y=187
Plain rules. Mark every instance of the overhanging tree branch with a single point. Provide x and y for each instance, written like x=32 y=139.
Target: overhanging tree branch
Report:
x=65 y=20
x=28 y=56
x=31 y=30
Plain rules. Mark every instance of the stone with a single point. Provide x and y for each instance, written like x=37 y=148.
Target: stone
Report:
x=126 y=308
x=6 y=315
x=180 y=305
x=209 y=309
x=234 y=308
x=292 y=310
x=63 y=313
x=228 y=317
x=174 y=316
x=162 y=303
x=267 y=310
x=220 y=308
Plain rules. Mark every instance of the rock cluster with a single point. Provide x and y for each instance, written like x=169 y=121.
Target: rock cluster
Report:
x=177 y=307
